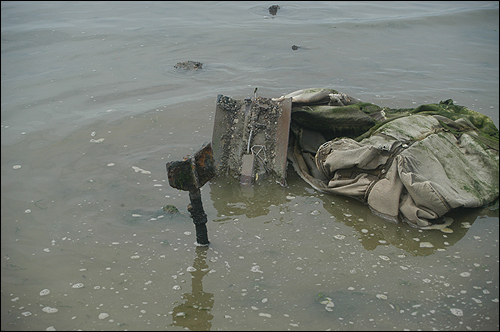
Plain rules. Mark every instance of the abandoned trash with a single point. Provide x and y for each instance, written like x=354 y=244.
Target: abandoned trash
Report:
x=189 y=65
x=411 y=165
x=250 y=138
x=190 y=175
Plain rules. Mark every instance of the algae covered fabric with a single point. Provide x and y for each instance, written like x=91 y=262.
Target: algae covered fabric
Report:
x=413 y=165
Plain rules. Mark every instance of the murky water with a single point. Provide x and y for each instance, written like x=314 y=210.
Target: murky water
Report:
x=92 y=109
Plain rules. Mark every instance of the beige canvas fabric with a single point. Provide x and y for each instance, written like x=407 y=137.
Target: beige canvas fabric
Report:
x=411 y=169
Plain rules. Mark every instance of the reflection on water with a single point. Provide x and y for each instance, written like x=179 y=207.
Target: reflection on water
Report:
x=232 y=199
x=375 y=231
x=194 y=312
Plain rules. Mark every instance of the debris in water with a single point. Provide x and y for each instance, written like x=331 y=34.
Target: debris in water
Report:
x=426 y=245
x=78 y=285
x=457 y=312
x=171 y=209
x=16 y=166
x=189 y=65
x=44 y=292
x=273 y=10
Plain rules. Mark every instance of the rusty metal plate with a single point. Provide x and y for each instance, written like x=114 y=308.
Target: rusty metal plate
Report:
x=204 y=164
x=257 y=126
x=193 y=172
x=282 y=136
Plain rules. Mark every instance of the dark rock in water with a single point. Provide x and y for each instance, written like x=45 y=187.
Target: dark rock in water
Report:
x=170 y=209
x=273 y=9
x=189 y=65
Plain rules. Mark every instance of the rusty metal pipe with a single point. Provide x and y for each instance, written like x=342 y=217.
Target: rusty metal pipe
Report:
x=199 y=217
x=190 y=175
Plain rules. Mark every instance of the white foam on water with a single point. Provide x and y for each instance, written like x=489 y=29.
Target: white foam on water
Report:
x=50 y=310
x=137 y=169
x=103 y=315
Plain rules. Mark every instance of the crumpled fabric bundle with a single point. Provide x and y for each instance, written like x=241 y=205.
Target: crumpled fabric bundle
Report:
x=415 y=168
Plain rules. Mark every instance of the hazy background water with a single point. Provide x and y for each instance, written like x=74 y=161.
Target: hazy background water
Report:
x=89 y=91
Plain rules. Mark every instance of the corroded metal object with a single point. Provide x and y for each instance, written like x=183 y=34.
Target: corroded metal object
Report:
x=190 y=175
x=250 y=138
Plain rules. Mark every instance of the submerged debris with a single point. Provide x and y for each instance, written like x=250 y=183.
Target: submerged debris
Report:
x=273 y=9
x=377 y=155
x=189 y=65
x=256 y=127
x=170 y=209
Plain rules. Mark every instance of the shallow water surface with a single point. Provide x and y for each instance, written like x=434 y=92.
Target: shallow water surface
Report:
x=93 y=108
